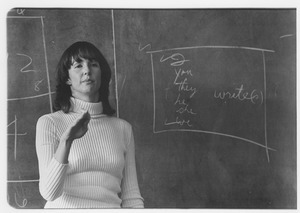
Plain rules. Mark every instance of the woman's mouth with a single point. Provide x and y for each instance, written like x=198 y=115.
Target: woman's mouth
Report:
x=87 y=81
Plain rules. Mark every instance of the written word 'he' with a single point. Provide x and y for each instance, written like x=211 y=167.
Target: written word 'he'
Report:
x=184 y=107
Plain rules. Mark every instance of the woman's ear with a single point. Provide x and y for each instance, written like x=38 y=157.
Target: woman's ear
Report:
x=69 y=82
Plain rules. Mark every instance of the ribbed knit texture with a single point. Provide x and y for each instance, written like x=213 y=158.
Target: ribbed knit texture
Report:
x=101 y=171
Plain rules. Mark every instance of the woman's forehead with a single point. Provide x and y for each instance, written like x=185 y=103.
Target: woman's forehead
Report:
x=79 y=59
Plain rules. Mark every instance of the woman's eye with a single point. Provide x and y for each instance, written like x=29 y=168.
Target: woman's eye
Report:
x=78 y=66
x=95 y=64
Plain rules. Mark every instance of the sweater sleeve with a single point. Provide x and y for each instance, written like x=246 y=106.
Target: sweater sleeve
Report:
x=131 y=197
x=52 y=173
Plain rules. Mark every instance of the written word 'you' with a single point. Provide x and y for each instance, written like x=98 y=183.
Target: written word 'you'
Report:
x=241 y=95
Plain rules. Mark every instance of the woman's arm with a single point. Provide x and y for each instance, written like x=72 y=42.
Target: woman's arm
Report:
x=52 y=172
x=131 y=197
x=53 y=153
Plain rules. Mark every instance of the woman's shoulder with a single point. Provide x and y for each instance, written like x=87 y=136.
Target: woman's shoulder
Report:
x=119 y=121
x=51 y=116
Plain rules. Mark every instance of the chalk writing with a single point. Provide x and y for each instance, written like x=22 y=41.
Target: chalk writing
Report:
x=15 y=134
x=178 y=121
x=30 y=62
x=185 y=107
x=241 y=95
x=183 y=84
x=24 y=201
x=184 y=89
x=177 y=57
x=20 y=11
x=36 y=85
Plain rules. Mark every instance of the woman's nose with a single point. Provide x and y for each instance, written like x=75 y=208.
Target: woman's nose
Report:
x=87 y=69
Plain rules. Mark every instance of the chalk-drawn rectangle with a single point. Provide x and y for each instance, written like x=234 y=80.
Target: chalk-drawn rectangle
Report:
x=215 y=90
x=26 y=71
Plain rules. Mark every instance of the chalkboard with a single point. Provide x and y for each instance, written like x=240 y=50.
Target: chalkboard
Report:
x=211 y=96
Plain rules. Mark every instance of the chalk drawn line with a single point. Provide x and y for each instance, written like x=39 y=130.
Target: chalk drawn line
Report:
x=29 y=97
x=265 y=105
x=22 y=181
x=37 y=17
x=115 y=61
x=142 y=48
x=284 y=36
x=19 y=134
x=216 y=47
x=216 y=133
x=16 y=140
x=46 y=64
x=154 y=96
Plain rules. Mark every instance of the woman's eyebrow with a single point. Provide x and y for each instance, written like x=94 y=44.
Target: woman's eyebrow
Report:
x=74 y=63
x=78 y=61
x=92 y=60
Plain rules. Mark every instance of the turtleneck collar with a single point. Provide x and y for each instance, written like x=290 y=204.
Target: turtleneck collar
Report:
x=80 y=106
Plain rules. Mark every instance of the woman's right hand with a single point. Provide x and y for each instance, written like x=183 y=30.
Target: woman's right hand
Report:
x=78 y=128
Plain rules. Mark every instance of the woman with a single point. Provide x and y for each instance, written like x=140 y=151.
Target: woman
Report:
x=86 y=156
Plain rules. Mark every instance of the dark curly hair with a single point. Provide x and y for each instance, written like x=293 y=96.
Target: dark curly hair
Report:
x=76 y=51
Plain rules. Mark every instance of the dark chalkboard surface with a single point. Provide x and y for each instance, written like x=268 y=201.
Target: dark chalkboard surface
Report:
x=211 y=95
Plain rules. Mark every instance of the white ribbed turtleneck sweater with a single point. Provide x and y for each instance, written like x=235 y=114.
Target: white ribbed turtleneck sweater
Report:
x=101 y=171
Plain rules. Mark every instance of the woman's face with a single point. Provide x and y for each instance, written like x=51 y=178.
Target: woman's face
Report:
x=85 y=80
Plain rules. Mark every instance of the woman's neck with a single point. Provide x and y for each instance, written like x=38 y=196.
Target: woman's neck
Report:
x=87 y=98
x=80 y=106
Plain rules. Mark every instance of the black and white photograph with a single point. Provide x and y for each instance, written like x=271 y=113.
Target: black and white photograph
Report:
x=151 y=108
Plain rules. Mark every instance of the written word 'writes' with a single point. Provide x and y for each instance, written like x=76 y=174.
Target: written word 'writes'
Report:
x=185 y=106
x=179 y=122
x=36 y=85
x=20 y=11
x=177 y=58
x=241 y=95
x=30 y=62
x=183 y=84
